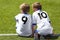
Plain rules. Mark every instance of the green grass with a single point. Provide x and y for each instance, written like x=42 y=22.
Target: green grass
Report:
x=10 y=8
x=14 y=38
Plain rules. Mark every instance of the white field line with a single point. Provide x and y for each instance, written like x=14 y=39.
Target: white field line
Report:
x=8 y=34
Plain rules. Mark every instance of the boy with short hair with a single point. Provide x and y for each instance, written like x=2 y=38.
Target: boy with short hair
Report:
x=41 y=19
x=23 y=21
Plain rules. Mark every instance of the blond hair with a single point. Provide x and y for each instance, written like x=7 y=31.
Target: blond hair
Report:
x=37 y=5
x=25 y=7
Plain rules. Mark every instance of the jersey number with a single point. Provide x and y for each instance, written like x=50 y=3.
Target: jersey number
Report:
x=24 y=19
x=42 y=15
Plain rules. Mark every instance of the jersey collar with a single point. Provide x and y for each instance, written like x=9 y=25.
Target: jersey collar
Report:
x=38 y=10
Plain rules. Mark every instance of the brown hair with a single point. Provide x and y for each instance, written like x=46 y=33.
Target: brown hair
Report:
x=37 y=5
x=25 y=7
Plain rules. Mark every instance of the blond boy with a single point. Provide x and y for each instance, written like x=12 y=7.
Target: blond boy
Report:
x=41 y=19
x=23 y=21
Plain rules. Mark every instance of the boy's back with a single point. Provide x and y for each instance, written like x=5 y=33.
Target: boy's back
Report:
x=23 y=24
x=42 y=20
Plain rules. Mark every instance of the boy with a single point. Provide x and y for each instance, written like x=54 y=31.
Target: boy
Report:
x=41 y=19
x=23 y=21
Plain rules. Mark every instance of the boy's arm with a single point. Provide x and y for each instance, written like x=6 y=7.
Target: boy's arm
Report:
x=33 y=24
x=33 y=29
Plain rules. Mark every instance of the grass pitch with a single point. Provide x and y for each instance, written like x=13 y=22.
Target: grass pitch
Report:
x=10 y=8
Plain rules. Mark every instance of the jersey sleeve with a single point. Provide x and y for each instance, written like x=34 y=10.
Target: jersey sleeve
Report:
x=16 y=18
x=33 y=20
x=48 y=17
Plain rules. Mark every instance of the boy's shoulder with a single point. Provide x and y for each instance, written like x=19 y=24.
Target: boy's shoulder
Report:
x=22 y=14
x=18 y=15
x=39 y=11
x=44 y=11
x=36 y=12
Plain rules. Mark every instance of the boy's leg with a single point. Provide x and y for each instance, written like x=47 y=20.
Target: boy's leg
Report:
x=39 y=36
x=47 y=39
x=36 y=36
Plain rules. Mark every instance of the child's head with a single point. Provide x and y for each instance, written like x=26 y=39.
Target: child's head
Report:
x=36 y=6
x=25 y=7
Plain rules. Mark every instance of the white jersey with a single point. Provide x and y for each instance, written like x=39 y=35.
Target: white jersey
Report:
x=43 y=22
x=23 y=24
